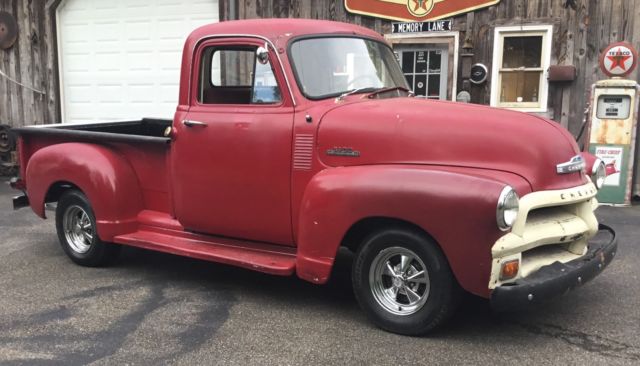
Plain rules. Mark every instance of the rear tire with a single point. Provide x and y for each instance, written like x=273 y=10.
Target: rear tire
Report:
x=403 y=282
x=76 y=228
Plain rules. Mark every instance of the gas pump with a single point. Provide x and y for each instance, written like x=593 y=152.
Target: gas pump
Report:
x=614 y=113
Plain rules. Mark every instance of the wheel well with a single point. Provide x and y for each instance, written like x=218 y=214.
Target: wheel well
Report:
x=57 y=189
x=359 y=231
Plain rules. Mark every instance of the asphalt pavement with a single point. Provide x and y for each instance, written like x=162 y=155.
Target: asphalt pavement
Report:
x=153 y=308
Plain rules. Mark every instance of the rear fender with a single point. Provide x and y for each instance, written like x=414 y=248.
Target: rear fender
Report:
x=456 y=207
x=103 y=175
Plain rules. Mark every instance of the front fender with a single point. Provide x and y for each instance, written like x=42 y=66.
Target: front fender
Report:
x=455 y=206
x=103 y=175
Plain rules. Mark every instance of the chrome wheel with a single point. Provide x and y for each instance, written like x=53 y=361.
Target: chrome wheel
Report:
x=399 y=281
x=78 y=229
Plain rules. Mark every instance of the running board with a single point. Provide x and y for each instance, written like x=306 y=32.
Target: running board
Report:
x=260 y=257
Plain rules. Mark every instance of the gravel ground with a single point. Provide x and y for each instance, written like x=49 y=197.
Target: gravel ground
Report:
x=151 y=308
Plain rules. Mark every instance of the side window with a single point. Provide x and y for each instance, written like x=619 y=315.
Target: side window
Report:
x=231 y=68
x=265 y=87
x=236 y=76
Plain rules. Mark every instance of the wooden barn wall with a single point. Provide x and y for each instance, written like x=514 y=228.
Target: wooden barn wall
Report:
x=579 y=36
x=581 y=29
x=31 y=61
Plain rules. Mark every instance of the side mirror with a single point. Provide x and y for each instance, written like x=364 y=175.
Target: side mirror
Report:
x=262 y=54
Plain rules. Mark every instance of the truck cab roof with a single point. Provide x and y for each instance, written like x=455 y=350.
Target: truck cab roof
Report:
x=278 y=31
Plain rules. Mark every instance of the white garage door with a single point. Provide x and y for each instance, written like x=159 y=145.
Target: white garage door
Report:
x=120 y=59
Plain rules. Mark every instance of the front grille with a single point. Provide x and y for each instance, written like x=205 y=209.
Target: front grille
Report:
x=552 y=226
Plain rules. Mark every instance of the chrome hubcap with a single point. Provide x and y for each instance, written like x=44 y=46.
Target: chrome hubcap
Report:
x=78 y=229
x=399 y=281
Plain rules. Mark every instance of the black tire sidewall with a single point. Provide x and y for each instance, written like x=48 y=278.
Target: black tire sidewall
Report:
x=434 y=311
x=94 y=256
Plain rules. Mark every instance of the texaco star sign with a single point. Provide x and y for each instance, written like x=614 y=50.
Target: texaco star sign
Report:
x=618 y=59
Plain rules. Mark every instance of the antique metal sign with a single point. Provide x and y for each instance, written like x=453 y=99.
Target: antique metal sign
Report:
x=618 y=59
x=419 y=27
x=415 y=10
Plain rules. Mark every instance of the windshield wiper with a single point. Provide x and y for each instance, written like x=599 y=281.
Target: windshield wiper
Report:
x=384 y=90
x=354 y=91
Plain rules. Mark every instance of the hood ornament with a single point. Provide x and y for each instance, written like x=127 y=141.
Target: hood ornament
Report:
x=576 y=164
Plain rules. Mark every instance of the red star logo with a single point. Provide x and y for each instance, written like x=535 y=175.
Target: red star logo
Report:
x=618 y=60
x=420 y=4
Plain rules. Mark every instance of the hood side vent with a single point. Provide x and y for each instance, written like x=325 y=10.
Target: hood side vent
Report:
x=302 y=152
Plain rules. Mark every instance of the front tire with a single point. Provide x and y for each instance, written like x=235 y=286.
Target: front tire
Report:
x=76 y=228
x=403 y=282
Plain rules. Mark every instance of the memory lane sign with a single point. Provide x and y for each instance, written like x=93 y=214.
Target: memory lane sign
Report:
x=419 y=27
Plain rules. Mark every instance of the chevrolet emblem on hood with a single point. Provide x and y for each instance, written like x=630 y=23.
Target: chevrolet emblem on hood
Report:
x=576 y=164
x=344 y=151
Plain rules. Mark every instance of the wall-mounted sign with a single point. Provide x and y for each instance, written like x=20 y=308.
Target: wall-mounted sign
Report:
x=418 y=27
x=618 y=59
x=479 y=73
x=415 y=10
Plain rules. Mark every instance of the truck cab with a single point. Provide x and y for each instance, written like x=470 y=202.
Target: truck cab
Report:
x=294 y=138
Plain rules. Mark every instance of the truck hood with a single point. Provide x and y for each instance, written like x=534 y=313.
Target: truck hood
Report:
x=418 y=131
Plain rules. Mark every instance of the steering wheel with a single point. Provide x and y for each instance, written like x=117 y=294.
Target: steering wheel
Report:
x=370 y=77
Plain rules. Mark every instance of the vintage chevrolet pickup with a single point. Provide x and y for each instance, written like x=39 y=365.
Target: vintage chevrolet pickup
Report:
x=294 y=138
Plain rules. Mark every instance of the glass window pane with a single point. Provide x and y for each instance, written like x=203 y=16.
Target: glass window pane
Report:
x=520 y=86
x=435 y=61
x=410 y=81
x=407 y=62
x=421 y=85
x=235 y=76
x=522 y=52
x=329 y=66
x=421 y=62
x=265 y=86
x=614 y=107
x=232 y=67
x=434 y=86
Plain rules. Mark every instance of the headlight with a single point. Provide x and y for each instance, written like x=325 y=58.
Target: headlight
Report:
x=598 y=173
x=507 y=210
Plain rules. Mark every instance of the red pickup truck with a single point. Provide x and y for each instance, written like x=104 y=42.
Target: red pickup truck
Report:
x=293 y=138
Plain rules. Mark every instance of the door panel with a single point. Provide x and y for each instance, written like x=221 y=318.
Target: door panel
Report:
x=231 y=155
x=232 y=177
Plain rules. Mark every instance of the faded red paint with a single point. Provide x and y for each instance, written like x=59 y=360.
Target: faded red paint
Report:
x=438 y=165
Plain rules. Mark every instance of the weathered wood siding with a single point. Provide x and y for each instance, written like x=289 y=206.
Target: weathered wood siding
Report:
x=31 y=61
x=579 y=35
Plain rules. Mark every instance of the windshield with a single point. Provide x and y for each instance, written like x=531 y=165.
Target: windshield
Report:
x=328 y=67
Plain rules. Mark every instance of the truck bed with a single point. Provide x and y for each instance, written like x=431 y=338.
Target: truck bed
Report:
x=147 y=130
x=141 y=142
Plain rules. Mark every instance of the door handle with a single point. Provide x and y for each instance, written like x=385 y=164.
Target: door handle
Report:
x=190 y=123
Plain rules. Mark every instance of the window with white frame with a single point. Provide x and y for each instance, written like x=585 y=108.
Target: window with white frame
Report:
x=521 y=58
